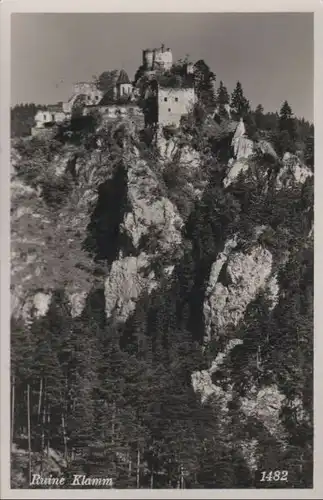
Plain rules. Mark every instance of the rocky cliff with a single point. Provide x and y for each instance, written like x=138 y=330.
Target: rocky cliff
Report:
x=168 y=232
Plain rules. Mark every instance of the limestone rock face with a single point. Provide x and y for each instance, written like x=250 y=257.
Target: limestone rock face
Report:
x=190 y=157
x=42 y=302
x=203 y=385
x=265 y=404
x=168 y=149
x=266 y=148
x=292 y=172
x=77 y=302
x=235 y=279
x=246 y=274
x=128 y=279
x=37 y=305
x=172 y=150
x=240 y=131
x=244 y=149
x=150 y=209
x=153 y=225
x=242 y=146
x=60 y=165
x=202 y=380
x=235 y=168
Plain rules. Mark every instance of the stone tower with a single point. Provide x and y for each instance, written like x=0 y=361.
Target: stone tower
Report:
x=157 y=59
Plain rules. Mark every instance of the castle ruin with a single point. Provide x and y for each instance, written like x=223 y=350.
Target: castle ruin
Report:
x=157 y=59
x=167 y=103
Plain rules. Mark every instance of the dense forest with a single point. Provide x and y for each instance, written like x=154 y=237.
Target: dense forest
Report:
x=113 y=394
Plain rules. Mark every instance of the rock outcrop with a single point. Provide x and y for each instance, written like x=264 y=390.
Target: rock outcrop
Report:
x=242 y=146
x=246 y=275
x=235 y=167
x=292 y=172
x=150 y=209
x=55 y=248
x=129 y=277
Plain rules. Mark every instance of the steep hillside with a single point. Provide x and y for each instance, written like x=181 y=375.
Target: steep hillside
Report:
x=162 y=305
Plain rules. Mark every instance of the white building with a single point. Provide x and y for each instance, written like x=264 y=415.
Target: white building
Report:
x=47 y=117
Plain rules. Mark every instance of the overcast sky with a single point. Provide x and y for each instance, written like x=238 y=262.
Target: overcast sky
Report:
x=271 y=54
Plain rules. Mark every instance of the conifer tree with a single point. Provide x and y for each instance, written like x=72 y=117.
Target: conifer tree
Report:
x=287 y=131
x=259 y=116
x=239 y=104
x=222 y=98
x=287 y=121
x=204 y=80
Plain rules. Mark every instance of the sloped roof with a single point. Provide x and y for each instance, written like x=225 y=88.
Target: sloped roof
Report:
x=123 y=77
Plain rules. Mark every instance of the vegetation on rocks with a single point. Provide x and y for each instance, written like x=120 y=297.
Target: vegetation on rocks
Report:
x=108 y=385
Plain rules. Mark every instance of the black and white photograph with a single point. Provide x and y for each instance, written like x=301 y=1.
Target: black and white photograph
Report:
x=162 y=251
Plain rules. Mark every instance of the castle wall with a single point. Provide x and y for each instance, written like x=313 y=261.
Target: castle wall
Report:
x=84 y=87
x=59 y=116
x=173 y=104
x=157 y=59
x=114 y=111
x=163 y=59
x=44 y=116
x=148 y=59
x=92 y=95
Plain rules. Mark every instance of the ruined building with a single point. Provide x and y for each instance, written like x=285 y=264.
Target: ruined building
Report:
x=165 y=105
x=157 y=59
x=87 y=92
x=167 y=97
x=45 y=118
x=172 y=104
x=166 y=101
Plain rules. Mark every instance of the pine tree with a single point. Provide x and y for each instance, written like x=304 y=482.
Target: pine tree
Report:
x=259 y=116
x=222 y=98
x=287 y=121
x=239 y=104
x=287 y=136
x=204 y=80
